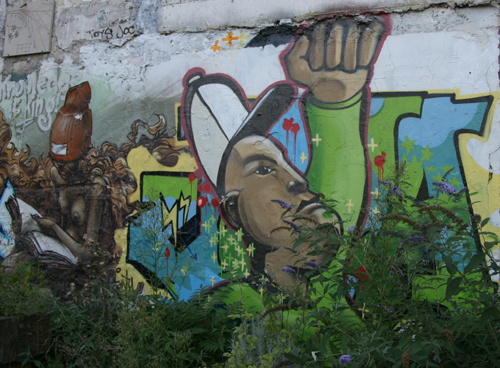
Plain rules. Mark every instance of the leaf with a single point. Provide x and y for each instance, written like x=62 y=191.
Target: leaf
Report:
x=488 y=315
x=485 y=222
x=475 y=261
x=490 y=244
x=494 y=360
x=453 y=287
x=295 y=359
x=449 y=264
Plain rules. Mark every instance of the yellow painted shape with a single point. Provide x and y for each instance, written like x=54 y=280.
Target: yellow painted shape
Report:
x=487 y=199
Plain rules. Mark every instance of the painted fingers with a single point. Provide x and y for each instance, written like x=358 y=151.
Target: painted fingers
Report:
x=334 y=59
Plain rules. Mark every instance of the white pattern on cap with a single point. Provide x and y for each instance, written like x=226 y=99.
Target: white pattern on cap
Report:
x=216 y=115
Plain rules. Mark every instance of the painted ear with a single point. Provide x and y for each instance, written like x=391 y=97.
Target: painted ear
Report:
x=230 y=209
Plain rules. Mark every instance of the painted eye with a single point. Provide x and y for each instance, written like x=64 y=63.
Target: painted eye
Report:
x=263 y=170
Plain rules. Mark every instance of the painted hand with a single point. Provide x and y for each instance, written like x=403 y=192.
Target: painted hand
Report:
x=45 y=222
x=334 y=60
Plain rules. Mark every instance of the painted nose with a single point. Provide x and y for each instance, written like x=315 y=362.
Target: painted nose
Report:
x=297 y=186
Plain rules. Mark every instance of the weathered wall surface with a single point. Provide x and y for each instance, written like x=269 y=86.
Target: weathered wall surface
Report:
x=169 y=132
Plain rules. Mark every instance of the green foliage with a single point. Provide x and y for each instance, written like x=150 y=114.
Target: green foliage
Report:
x=262 y=342
x=23 y=291
x=423 y=291
x=109 y=324
x=84 y=328
x=155 y=332
x=423 y=297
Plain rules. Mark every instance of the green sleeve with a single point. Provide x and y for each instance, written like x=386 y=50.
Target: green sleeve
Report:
x=338 y=167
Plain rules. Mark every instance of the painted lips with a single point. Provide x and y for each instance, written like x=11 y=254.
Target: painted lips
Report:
x=309 y=206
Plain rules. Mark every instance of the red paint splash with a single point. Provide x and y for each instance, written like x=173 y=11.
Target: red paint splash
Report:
x=287 y=125
x=215 y=204
x=167 y=255
x=295 y=130
x=192 y=176
x=201 y=201
x=206 y=187
x=379 y=162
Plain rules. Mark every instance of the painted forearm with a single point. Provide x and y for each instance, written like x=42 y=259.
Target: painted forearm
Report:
x=338 y=167
x=67 y=240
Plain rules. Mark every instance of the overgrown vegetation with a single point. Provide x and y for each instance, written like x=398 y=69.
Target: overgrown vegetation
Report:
x=24 y=292
x=116 y=324
x=419 y=294
x=414 y=276
x=262 y=341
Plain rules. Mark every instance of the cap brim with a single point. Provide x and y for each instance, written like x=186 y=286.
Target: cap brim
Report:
x=217 y=116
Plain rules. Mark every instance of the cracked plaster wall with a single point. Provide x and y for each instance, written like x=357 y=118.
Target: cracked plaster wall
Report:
x=163 y=31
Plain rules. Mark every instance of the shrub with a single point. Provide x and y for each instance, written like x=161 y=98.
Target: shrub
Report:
x=422 y=290
x=24 y=291
x=155 y=332
x=111 y=324
x=262 y=342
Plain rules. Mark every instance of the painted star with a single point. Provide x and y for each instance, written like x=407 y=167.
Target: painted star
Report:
x=455 y=182
x=446 y=168
x=437 y=177
x=408 y=145
x=431 y=169
x=426 y=154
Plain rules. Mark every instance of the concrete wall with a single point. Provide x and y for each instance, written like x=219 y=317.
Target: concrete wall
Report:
x=215 y=111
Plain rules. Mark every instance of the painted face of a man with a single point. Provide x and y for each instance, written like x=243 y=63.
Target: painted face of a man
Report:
x=258 y=170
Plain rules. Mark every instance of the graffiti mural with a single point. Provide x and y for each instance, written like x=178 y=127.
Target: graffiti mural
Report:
x=58 y=209
x=186 y=189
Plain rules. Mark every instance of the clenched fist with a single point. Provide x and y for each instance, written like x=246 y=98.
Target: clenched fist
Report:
x=334 y=60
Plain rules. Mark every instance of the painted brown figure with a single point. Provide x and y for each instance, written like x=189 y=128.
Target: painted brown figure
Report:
x=81 y=187
x=333 y=62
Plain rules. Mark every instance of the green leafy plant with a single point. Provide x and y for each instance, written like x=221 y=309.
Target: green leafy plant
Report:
x=114 y=324
x=420 y=287
x=263 y=341
x=24 y=291
x=84 y=325
x=156 y=332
